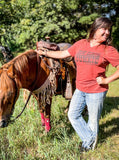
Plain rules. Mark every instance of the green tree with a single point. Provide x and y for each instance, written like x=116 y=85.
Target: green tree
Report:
x=24 y=22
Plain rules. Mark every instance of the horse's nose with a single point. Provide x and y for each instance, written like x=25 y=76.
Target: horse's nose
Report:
x=3 y=124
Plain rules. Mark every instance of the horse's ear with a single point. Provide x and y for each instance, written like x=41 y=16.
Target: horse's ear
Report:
x=10 y=71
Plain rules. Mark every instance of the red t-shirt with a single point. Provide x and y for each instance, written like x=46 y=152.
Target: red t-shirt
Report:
x=91 y=63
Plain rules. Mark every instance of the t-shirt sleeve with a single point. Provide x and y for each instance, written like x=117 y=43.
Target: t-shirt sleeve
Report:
x=112 y=56
x=73 y=49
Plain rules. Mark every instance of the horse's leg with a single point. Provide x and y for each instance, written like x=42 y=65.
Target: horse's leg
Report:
x=47 y=117
x=41 y=109
x=45 y=113
x=67 y=107
x=25 y=96
x=42 y=117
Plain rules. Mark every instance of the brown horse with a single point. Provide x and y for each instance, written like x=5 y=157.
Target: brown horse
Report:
x=23 y=72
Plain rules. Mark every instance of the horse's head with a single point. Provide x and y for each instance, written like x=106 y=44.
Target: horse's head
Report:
x=8 y=95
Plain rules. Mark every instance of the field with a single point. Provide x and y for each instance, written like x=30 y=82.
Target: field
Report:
x=26 y=139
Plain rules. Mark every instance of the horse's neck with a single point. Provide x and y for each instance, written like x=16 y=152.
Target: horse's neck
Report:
x=32 y=78
x=27 y=74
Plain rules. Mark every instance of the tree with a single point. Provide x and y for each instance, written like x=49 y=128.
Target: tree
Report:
x=24 y=22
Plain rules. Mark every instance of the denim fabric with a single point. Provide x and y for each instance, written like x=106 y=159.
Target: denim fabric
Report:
x=87 y=131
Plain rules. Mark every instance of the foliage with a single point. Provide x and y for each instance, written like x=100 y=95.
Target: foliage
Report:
x=23 y=22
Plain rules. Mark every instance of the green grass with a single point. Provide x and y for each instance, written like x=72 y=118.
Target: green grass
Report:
x=26 y=139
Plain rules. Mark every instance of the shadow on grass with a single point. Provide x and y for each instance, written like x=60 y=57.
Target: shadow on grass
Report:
x=108 y=129
x=110 y=103
x=111 y=126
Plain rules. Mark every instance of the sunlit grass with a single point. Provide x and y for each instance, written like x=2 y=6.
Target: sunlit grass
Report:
x=26 y=138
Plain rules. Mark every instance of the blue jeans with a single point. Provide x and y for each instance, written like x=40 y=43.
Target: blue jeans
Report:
x=87 y=131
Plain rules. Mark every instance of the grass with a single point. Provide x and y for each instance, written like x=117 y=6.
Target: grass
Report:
x=26 y=139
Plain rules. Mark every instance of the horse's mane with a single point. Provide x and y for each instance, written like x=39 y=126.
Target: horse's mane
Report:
x=19 y=61
x=20 y=65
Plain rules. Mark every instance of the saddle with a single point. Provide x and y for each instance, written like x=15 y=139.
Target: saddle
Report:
x=47 y=45
x=63 y=74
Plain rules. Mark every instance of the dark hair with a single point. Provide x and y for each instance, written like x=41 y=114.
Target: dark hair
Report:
x=101 y=22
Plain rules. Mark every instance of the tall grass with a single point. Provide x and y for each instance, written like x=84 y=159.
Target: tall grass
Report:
x=26 y=138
